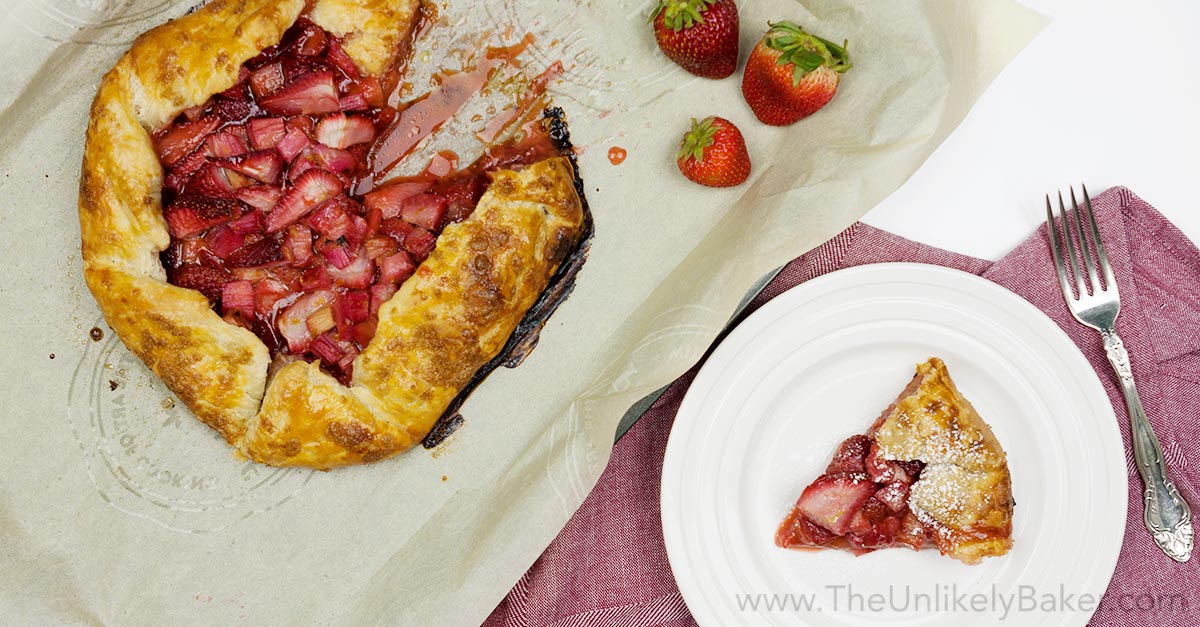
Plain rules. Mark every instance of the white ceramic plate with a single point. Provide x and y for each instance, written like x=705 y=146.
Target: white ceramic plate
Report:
x=818 y=364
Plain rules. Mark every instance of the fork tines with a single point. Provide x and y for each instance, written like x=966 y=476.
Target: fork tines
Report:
x=1078 y=246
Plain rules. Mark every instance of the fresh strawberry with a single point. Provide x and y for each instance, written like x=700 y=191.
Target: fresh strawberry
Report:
x=207 y=281
x=312 y=189
x=791 y=74
x=181 y=139
x=339 y=130
x=310 y=94
x=190 y=214
x=700 y=35
x=714 y=154
x=833 y=500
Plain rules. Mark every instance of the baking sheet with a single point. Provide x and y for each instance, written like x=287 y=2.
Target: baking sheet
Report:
x=117 y=507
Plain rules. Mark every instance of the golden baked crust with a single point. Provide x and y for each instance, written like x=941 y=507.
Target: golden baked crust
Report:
x=964 y=494
x=451 y=318
x=448 y=320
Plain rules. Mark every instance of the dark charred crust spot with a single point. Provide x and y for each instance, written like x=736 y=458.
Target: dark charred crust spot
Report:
x=560 y=286
x=442 y=430
x=561 y=245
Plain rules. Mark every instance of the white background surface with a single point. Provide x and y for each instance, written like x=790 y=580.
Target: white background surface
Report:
x=1108 y=94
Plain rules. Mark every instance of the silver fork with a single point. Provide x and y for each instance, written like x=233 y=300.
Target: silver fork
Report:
x=1167 y=515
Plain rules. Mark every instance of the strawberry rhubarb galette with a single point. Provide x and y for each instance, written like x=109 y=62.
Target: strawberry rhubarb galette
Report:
x=929 y=472
x=235 y=240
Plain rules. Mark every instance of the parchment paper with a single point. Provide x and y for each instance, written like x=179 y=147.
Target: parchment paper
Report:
x=118 y=508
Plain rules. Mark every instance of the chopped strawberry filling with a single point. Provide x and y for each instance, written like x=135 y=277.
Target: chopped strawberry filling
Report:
x=256 y=194
x=861 y=503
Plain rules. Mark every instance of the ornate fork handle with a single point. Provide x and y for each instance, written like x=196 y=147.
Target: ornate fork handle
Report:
x=1167 y=515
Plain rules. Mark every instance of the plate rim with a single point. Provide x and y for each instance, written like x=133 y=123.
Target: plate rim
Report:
x=755 y=323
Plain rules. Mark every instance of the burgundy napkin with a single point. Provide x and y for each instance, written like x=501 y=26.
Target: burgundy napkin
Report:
x=609 y=566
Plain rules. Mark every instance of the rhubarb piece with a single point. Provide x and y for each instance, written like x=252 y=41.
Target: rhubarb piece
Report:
x=396 y=268
x=228 y=142
x=266 y=80
x=238 y=296
x=356 y=275
x=265 y=133
x=293 y=321
x=427 y=211
x=297 y=245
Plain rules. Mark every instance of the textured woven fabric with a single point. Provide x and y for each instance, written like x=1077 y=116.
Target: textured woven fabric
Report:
x=609 y=565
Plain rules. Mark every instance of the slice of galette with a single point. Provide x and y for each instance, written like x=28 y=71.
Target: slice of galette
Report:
x=234 y=239
x=929 y=472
